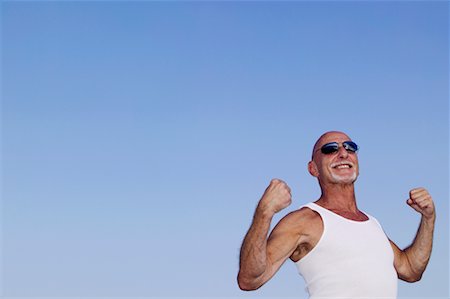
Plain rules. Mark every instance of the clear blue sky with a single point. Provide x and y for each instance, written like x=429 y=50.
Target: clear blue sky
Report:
x=137 y=137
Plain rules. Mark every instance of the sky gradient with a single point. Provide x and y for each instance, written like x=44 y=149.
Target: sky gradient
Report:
x=137 y=137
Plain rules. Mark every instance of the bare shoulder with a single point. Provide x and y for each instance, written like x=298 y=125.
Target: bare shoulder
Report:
x=308 y=228
x=301 y=215
x=300 y=220
x=300 y=230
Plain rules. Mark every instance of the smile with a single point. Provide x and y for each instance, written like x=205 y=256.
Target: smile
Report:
x=342 y=165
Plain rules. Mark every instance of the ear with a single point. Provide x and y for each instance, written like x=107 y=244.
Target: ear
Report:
x=312 y=168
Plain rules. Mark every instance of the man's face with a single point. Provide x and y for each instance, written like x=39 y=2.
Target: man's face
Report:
x=340 y=167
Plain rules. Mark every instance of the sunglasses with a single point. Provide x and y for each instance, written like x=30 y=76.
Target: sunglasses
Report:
x=332 y=147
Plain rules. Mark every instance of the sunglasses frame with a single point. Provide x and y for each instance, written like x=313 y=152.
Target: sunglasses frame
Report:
x=349 y=146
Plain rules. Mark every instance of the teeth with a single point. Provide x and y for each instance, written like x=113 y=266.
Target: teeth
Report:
x=343 y=166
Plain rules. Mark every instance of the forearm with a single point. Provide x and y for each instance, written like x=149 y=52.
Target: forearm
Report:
x=253 y=257
x=419 y=252
x=255 y=268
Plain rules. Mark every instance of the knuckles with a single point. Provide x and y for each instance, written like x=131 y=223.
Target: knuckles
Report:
x=278 y=195
x=418 y=190
x=277 y=183
x=419 y=193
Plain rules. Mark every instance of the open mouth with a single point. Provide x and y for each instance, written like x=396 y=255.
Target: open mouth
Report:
x=342 y=165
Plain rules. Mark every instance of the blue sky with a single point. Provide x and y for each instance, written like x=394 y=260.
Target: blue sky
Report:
x=137 y=137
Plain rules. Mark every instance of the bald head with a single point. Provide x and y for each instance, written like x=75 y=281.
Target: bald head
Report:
x=329 y=136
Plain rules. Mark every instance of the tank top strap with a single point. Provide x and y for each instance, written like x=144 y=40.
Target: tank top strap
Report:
x=324 y=213
x=315 y=207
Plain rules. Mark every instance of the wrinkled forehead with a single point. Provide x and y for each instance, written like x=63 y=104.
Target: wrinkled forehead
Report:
x=330 y=137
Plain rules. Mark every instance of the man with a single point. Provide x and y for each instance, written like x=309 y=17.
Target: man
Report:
x=340 y=251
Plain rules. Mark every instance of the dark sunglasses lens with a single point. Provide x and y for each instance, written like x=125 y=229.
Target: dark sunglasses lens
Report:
x=350 y=146
x=329 y=148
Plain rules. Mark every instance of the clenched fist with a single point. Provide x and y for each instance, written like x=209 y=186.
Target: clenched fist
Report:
x=421 y=201
x=276 y=197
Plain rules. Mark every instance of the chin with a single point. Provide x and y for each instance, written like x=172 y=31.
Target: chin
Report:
x=344 y=179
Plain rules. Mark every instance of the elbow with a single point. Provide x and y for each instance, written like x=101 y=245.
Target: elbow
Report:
x=247 y=284
x=415 y=278
x=412 y=277
x=412 y=280
x=412 y=271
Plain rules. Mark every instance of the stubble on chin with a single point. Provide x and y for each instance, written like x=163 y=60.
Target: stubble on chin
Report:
x=338 y=179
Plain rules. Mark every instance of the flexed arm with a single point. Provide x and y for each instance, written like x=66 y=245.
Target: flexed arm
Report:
x=260 y=256
x=411 y=262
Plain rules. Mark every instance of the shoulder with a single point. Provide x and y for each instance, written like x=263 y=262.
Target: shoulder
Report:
x=303 y=214
x=305 y=226
x=300 y=219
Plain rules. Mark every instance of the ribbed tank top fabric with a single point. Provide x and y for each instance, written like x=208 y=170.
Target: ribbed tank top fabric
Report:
x=353 y=259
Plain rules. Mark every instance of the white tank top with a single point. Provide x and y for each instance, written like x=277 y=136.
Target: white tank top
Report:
x=353 y=259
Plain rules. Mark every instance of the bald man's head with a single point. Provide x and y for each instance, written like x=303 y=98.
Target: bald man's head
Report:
x=327 y=137
x=338 y=166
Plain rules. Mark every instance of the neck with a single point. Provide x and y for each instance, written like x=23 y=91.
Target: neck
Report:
x=339 y=197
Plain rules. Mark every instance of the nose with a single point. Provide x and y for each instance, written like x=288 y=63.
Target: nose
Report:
x=342 y=152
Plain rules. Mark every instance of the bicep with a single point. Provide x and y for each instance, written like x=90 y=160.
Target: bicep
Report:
x=281 y=245
x=282 y=242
